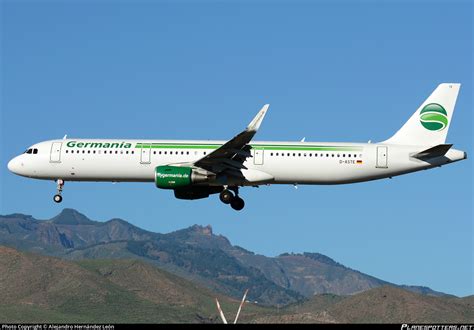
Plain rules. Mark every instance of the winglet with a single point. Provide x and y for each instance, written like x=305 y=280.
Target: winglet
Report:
x=255 y=123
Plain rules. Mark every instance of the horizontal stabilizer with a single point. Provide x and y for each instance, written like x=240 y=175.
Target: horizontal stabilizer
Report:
x=433 y=152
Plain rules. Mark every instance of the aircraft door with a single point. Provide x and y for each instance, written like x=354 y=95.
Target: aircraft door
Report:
x=55 y=156
x=145 y=156
x=382 y=157
x=258 y=156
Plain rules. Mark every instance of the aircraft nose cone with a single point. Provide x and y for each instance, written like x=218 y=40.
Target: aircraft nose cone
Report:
x=13 y=165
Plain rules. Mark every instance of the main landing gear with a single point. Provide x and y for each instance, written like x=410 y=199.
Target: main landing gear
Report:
x=227 y=197
x=58 y=198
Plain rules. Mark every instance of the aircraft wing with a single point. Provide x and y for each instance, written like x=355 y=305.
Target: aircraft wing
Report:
x=234 y=152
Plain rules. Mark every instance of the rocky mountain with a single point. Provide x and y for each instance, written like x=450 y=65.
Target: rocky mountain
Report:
x=43 y=289
x=37 y=288
x=67 y=231
x=385 y=304
x=195 y=253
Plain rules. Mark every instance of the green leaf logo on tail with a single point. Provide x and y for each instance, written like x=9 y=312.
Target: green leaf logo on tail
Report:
x=433 y=117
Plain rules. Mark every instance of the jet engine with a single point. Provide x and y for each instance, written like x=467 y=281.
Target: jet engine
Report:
x=172 y=177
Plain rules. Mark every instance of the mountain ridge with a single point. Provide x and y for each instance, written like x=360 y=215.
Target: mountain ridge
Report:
x=195 y=253
x=44 y=289
x=49 y=289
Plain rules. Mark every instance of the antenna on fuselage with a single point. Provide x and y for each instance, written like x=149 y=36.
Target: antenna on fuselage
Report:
x=65 y=137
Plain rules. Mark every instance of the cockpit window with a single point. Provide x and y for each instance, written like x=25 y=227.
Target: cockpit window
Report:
x=31 y=151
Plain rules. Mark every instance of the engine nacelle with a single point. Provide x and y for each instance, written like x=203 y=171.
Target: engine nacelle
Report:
x=172 y=177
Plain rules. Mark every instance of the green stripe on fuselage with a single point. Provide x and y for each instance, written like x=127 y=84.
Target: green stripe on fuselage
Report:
x=315 y=148
x=257 y=146
x=177 y=146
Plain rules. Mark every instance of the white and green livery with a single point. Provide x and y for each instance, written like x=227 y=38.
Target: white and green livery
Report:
x=197 y=169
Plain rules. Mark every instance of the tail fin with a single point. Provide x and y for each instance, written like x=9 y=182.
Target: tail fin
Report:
x=429 y=125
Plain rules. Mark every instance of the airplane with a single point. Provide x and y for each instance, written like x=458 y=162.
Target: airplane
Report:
x=197 y=169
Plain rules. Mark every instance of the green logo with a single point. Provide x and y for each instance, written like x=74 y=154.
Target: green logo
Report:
x=75 y=144
x=434 y=117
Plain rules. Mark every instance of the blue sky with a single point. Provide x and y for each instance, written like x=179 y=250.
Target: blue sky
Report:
x=332 y=71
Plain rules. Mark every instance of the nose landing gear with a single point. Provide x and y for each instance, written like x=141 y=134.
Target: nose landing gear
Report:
x=227 y=197
x=58 y=198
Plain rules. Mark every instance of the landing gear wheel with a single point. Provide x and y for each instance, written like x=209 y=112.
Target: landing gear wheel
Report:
x=58 y=198
x=237 y=203
x=226 y=196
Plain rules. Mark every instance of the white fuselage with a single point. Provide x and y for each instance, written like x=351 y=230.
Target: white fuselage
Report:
x=272 y=162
